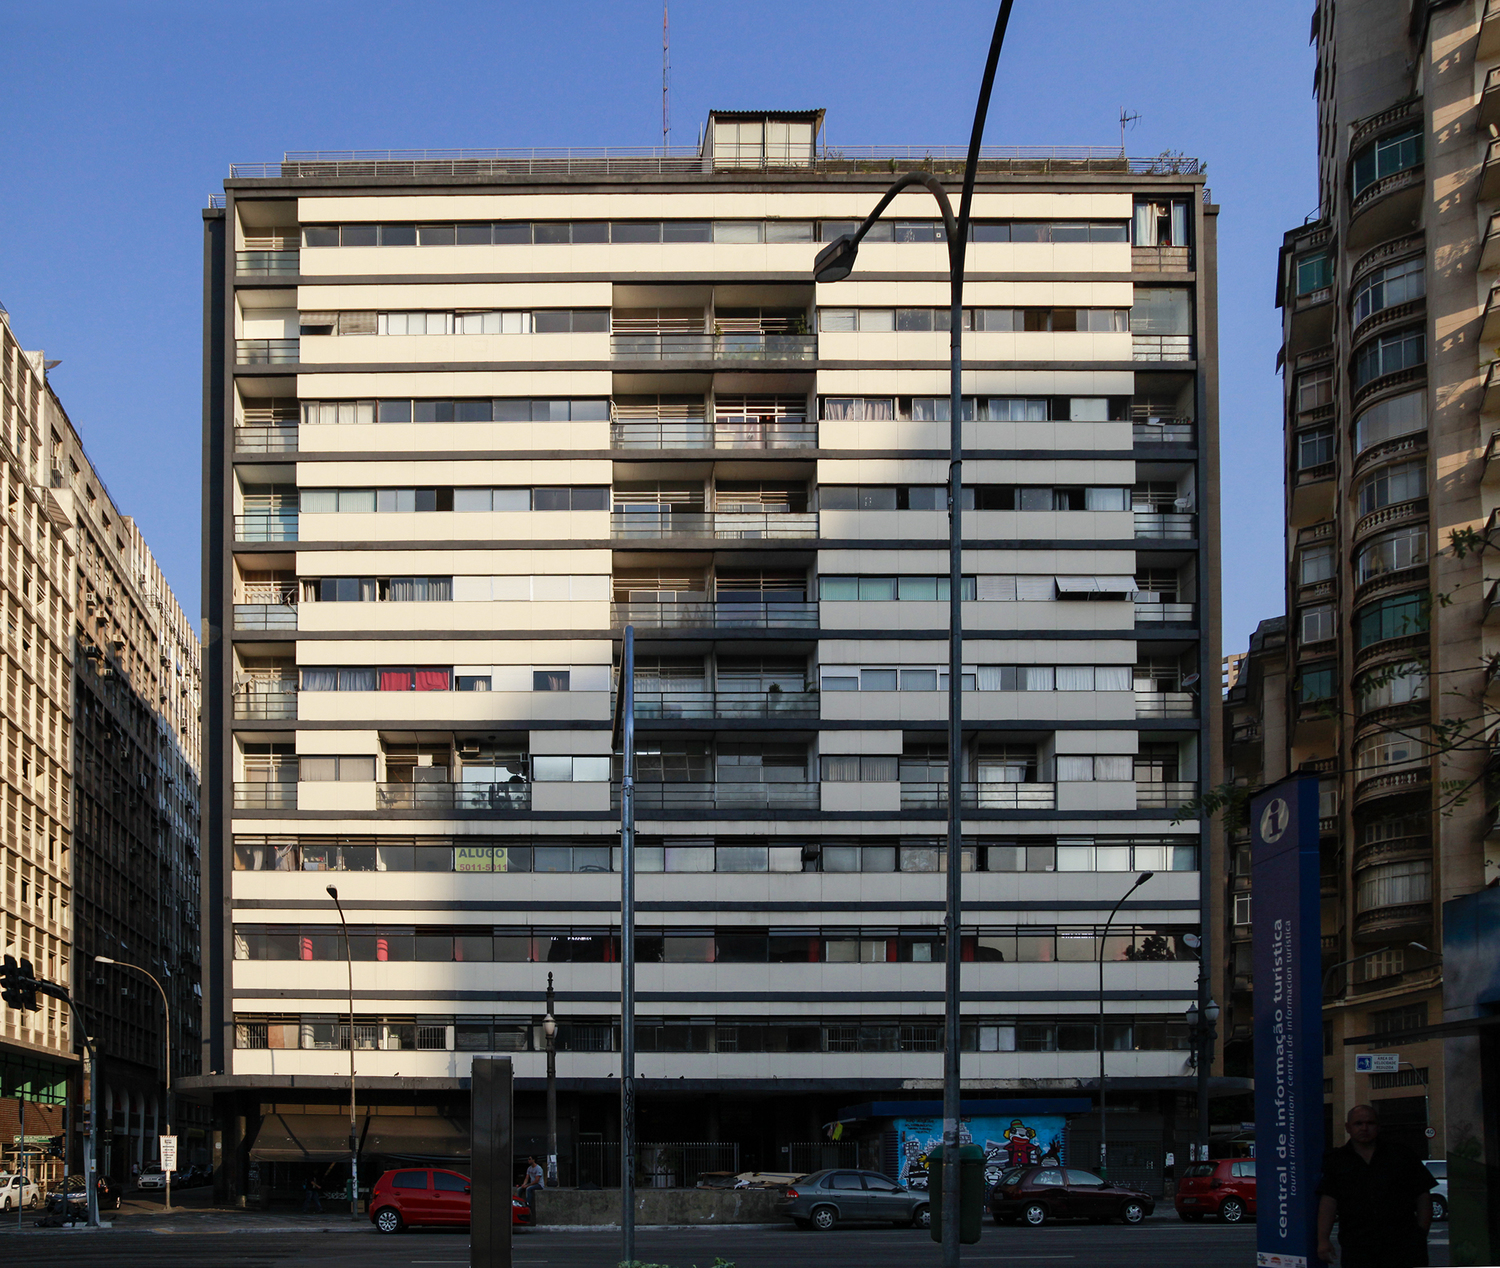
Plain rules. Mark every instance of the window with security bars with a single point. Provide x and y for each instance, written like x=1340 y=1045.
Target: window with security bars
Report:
x=655 y=321
x=269 y=412
x=650 y=586
x=659 y=409
x=657 y=496
x=760 y=409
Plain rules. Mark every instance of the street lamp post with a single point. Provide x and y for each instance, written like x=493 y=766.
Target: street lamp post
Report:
x=167 y=1015
x=333 y=893
x=833 y=264
x=549 y=1028
x=1202 y=1025
x=1103 y=942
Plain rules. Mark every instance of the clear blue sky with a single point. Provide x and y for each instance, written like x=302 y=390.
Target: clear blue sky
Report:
x=120 y=119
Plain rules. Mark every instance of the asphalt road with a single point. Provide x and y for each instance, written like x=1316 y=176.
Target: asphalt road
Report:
x=1159 y=1243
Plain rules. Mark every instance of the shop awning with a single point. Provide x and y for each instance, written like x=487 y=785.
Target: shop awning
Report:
x=417 y=1136
x=302 y=1138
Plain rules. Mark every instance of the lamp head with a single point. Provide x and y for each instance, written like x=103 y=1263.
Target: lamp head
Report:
x=1192 y=1014
x=836 y=261
x=1418 y=946
x=1211 y=1013
x=103 y=959
x=549 y=1025
x=1142 y=879
x=333 y=893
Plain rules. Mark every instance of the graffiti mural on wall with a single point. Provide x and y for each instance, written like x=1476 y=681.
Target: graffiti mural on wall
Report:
x=1007 y=1142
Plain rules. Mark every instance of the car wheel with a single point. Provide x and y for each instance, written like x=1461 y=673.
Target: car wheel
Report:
x=388 y=1220
x=1133 y=1212
x=1439 y=1208
x=1232 y=1211
x=824 y=1218
x=1034 y=1215
x=35 y=1202
x=922 y=1217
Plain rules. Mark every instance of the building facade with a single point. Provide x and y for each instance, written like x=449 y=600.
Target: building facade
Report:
x=117 y=873
x=464 y=423
x=1389 y=338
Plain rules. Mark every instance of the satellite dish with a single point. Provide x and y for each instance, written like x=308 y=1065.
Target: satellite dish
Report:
x=1190 y=681
x=1192 y=940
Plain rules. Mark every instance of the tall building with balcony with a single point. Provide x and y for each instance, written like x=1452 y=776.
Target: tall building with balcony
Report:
x=1389 y=335
x=102 y=836
x=466 y=421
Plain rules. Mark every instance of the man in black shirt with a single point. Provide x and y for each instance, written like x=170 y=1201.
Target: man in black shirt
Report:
x=1377 y=1191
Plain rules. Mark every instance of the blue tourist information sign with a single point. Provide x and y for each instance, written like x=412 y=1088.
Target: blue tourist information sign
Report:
x=1288 y=1021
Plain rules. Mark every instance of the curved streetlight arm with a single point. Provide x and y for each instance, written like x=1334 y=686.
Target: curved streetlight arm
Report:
x=1104 y=938
x=166 y=1008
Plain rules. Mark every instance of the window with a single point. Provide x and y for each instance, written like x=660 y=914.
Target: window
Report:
x=564 y=769
x=1314 y=447
x=1398 y=283
x=927 y=589
x=343 y=769
x=1394 y=884
x=1387 y=749
x=1076 y=768
x=1400 y=350
x=1386 y=156
x=1389 y=418
x=1242 y=909
x=1404 y=548
x=1314 y=564
x=851 y=767
x=1397 y=617
x=1317 y=623
x=1316 y=683
x=1394 y=1021
x=1314 y=389
x=1388 y=486
x=1161 y=310
x=1390 y=685
x=550 y=680
x=1162 y=223
x=1313 y=274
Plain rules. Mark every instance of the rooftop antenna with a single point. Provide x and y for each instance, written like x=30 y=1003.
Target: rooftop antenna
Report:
x=666 y=66
x=1125 y=118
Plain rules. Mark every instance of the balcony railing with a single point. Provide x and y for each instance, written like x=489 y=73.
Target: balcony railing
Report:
x=1163 y=613
x=732 y=346
x=1168 y=795
x=723 y=796
x=266 y=526
x=777 y=614
x=651 y=521
x=281 y=439
x=726 y=704
x=486 y=798
x=257 y=618
x=1176 y=525
x=265 y=796
x=1165 y=704
x=266 y=263
x=740 y=434
x=916 y=795
x=1163 y=347
x=265 y=351
x=266 y=706
x=1163 y=431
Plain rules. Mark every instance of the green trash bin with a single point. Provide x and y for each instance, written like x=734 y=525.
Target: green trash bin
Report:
x=970 y=1192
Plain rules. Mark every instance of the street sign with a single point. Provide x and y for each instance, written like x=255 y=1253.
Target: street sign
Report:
x=1377 y=1062
x=1430 y=1132
x=168 y=1152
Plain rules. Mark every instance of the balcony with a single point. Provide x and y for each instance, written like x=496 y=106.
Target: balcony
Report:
x=1163 y=431
x=266 y=706
x=1245 y=733
x=1167 y=525
x=281 y=439
x=1148 y=612
x=265 y=606
x=255 y=796
x=735 y=434
x=722 y=796
x=1162 y=348
x=458 y=798
x=1166 y=704
x=1168 y=795
x=775 y=614
x=729 y=346
x=266 y=263
x=266 y=526
x=1393 y=923
x=1387 y=516
x=1489 y=250
x=265 y=351
x=1395 y=784
x=987 y=796
x=675 y=705
x=646 y=522
x=1489 y=31
x=1160 y=260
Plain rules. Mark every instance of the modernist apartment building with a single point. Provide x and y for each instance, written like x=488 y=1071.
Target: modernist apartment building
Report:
x=466 y=419
x=1390 y=334
x=101 y=835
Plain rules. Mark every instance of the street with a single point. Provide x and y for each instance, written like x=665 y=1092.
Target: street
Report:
x=1159 y=1243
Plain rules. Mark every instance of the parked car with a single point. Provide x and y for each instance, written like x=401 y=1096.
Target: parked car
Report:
x=1439 y=1169
x=1034 y=1195
x=16 y=1192
x=826 y=1198
x=1225 y=1188
x=155 y=1178
x=428 y=1195
x=69 y=1197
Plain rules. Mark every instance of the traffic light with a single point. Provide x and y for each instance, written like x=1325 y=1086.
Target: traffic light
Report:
x=18 y=983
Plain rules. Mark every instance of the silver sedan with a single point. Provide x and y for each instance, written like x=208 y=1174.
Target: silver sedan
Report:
x=827 y=1198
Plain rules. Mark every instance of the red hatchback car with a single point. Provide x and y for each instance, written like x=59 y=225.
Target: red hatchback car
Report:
x=425 y=1195
x=1225 y=1188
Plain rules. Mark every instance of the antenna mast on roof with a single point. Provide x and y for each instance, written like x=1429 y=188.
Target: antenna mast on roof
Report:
x=1125 y=117
x=666 y=66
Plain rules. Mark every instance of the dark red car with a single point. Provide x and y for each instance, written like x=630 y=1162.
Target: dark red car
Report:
x=1225 y=1188
x=1034 y=1195
x=427 y=1195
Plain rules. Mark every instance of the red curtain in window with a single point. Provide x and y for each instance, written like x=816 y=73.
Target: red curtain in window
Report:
x=382 y=949
x=433 y=679
x=395 y=680
x=305 y=948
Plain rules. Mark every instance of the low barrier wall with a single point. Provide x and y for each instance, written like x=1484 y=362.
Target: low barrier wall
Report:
x=659 y=1206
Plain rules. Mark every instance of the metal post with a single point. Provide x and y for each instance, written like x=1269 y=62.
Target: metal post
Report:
x=549 y=1028
x=1104 y=938
x=91 y=1142
x=627 y=950
x=21 y=1164
x=333 y=893
x=166 y=1008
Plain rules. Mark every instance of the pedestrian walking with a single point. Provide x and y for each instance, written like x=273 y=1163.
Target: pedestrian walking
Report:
x=534 y=1180
x=1377 y=1191
x=312 y=1197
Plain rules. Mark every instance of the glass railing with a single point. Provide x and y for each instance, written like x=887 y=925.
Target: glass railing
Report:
x=791 y=614
x=726 y=704
x=266 y=263
x=265 y=351
x=1162 y=431
x=735 y=434
x=266 y=526
x=1147 y=612
x=488 y=798
x=1162 y=347
x=1165 y=704
x=723 y=796
x=259 y=439
x=1168 y=795
x=652 y=521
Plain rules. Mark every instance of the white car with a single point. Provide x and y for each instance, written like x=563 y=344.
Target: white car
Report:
x=1439 y=1169
x=16 y=1192
x=153 y=1178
